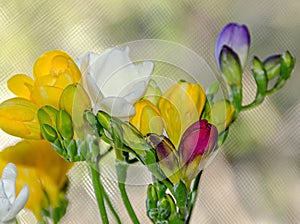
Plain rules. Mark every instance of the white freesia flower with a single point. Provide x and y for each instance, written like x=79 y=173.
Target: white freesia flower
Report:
x=10 y=206
x=113 y=82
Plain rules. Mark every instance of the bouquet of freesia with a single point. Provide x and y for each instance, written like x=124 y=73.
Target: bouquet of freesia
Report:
x=84 y=109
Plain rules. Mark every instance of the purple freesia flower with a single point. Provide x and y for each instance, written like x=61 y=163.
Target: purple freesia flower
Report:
x=200 y=138
x=236 y=37
x=197 y=142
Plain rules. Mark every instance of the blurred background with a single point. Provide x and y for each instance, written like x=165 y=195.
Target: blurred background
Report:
x=256 y=176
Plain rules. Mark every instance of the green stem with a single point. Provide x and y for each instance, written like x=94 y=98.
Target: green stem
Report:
x=127 y=203
x=111 y=207
x=99 y=192
x=121 y=167
x=194 y=194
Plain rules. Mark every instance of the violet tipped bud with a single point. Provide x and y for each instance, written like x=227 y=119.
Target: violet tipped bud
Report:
x=166 y=154
x=231 y=67
x=237 y=38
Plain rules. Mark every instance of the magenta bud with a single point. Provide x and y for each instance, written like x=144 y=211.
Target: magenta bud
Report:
x=199 y=139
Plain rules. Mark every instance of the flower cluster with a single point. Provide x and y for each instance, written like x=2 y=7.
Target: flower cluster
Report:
x=82 y=109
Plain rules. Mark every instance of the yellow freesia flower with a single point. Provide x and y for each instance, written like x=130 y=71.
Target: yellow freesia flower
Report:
x=52 y=73
x=147 y=118
x=41 y=168
x=180 y=106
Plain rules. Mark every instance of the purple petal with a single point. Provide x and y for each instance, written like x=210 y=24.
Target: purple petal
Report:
x=236 y=37
x=165 y=150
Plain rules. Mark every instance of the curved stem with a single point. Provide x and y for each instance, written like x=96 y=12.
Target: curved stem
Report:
x=127 y=203
x=194 y=194
x=99 y=192
x=111 y=207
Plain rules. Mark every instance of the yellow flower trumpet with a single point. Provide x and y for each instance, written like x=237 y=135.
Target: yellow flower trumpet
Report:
x=52 y=73
x=180 y=106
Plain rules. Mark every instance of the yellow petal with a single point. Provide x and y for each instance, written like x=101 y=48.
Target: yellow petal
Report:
x=46 y=95
x=147 y=118
x=41 y=168
x=54 y=63
x=180 y=106
x=18 y=117
x=20 y=85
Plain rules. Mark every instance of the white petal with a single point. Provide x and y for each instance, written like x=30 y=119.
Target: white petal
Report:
x=117 y=73
x=18 y=204
x=116 y=106
x=139 y=89
x=9 y=176
x=93 y=90
x=87 y=67
x=4 y=203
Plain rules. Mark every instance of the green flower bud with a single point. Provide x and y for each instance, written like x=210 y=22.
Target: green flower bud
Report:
x=287 y=63
x=64 y=124
x=231 y=67
x=48 y=132
x=104 y=120
x=164 y=208
x=151 y=201
x=47 y=115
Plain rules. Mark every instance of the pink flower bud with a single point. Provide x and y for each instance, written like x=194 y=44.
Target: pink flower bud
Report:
x=198 y=140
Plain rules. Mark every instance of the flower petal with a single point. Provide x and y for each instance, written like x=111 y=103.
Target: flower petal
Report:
x=236 y=37
x=9 y=176
x=200 y=138
x=18 y=117
x=18 y=204
x=113 y=71
x=46 y=95
x=147 y=118
x=115 y=106
x=20 y=85
x=180 y=106
x=55 y=61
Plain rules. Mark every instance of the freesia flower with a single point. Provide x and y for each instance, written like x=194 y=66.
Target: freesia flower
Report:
x=113 y=82
x=147 y=118
x=189 y=141
x=237 y=38
x=180 y=106
x=197 y=142
x=10 y=206
x=52 y=72
x=42 y=169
